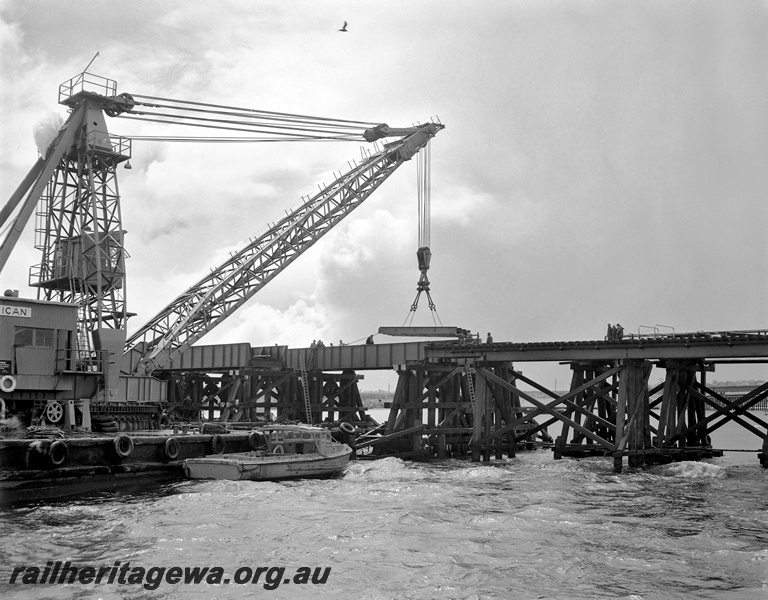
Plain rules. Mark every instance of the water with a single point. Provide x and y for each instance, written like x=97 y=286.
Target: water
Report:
x=525 y=528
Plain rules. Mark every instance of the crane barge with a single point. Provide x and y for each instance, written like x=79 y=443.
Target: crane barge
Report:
x=66 y=359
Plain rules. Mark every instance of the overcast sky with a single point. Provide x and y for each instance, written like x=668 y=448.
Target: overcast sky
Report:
x=602 y=161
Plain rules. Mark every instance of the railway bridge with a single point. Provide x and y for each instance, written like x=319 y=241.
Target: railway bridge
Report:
x=456 y=398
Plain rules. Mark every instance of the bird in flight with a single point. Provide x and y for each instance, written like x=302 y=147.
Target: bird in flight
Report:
x=344 y=27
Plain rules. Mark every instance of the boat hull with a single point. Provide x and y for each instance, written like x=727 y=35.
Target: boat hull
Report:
x=250 y=466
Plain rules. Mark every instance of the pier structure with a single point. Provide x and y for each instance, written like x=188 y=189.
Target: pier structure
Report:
x=238 y=383
x=465 y=398
x=610 y=408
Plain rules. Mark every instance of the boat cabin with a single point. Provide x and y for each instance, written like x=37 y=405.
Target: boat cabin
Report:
x=288 y=439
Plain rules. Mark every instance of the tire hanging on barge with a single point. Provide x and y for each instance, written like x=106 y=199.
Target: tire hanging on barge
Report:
x=123 y=445
x=257 y=441
x=171 y=448
x=58 y=452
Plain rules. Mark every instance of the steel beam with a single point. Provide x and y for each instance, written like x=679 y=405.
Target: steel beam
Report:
x=456 y=332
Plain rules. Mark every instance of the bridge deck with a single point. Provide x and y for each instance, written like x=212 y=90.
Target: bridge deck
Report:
x=681 y=346
x=697 y=346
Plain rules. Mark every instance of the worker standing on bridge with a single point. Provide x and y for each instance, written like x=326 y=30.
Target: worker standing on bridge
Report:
x=489 y=339
x=619 y=331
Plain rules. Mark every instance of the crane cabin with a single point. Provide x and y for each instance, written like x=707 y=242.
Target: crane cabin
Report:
x=42 y=375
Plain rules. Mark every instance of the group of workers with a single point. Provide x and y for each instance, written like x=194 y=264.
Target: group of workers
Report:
x=615 y=332
x=320 y=344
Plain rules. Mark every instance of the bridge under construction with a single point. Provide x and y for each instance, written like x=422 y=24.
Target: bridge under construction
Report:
x=68 y=367
x=465 y=398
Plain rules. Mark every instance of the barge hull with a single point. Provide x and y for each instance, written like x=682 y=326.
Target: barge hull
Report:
x=55 y=468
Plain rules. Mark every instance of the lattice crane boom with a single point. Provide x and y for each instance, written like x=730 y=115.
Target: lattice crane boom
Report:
x=73 y=190
x=207 y=303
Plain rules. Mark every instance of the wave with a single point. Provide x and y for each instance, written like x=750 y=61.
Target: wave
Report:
x=691 y=470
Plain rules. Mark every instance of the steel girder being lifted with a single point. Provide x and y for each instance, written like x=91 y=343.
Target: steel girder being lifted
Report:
x=207 y=303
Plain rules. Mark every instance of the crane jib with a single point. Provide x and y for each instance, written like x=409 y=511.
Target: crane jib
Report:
x=231 y=284
x=84 y=156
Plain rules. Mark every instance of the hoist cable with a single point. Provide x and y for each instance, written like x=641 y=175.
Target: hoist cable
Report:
x=255 y=111
x=296 y=136
x=319 y=122
x=295 y=125
x=423 y=185
x=232 y=140
x=423 y=191
x=193 y=121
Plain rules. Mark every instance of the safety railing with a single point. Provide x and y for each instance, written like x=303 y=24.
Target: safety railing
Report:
x=114 y=144
x=654 y=331
x=86 y=82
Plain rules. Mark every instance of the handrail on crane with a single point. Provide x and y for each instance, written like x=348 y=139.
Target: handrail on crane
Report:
x=86 y=82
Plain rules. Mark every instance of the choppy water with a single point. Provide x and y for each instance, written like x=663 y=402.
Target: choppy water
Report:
x=529 y=527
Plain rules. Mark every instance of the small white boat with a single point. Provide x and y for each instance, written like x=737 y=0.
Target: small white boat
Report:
x=283 y=452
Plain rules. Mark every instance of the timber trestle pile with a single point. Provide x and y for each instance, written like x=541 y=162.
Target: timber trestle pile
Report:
x=612 y=408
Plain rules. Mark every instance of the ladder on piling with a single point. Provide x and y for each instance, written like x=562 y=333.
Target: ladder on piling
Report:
x=305 y=387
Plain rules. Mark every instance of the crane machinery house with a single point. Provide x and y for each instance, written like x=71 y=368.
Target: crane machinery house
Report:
x=37 y=340
x=34 y=335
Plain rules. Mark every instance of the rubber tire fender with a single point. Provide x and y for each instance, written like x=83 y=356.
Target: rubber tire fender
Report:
x=58 y=452
x=123 y=445
x=256 y=440
x=347 y=428
x=171 y=448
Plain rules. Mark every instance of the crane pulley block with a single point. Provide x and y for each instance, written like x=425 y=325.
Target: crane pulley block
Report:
x=423 y=255
x=383 y=130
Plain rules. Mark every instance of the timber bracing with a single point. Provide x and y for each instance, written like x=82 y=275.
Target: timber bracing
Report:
x=610 y=410
x=252 y=396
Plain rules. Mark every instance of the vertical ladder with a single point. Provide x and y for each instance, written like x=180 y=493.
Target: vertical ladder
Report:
x=305 y=386
x=471 y=384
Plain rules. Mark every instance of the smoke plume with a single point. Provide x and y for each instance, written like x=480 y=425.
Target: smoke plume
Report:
x=45 y=131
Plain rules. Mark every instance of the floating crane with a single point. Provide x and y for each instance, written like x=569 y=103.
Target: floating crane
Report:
x=73 y=190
